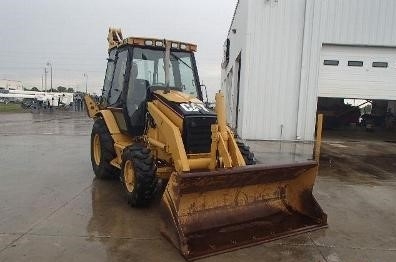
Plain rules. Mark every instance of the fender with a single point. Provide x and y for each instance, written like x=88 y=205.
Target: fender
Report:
x=110 y=121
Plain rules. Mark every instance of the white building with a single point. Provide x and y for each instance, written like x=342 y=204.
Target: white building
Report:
x=6 y=84
x=284 y=54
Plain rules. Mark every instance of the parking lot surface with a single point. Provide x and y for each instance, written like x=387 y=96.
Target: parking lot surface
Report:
x=53 y=209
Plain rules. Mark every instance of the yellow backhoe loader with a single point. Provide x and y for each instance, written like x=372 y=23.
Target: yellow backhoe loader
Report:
x=152 y=124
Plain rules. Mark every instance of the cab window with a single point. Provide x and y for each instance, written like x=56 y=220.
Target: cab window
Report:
x=109 y=74
x=118 y=79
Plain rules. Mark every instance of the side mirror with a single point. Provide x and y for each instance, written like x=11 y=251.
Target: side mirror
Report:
x=203 y=87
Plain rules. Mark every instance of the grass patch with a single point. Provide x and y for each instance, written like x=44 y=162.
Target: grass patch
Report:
x=11 y=108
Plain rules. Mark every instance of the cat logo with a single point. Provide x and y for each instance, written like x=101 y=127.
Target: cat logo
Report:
x=193 y=107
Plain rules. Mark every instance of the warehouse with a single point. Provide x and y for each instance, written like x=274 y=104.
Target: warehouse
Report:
x=283 y=56
x=7 y=84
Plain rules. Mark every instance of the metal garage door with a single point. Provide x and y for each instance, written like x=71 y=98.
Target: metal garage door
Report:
x=358 y=72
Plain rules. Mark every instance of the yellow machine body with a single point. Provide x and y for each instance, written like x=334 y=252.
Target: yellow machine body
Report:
x=213 y=201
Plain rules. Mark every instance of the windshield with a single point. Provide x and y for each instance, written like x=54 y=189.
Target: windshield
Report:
x=149 y=65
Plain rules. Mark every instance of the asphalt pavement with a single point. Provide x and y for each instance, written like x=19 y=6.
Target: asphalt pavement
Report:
x=53 y=209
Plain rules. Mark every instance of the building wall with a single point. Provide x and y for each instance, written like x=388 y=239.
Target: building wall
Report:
x=358 y=22
x=342 y=22
x=281 y=50
x=11 y=84
x=364 y=82
x=268 y=104
x=229 y=73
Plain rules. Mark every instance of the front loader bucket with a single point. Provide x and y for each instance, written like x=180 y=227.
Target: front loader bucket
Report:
x=205 y=213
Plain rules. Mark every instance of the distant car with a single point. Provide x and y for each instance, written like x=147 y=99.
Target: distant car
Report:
x=4 y=100
x=27 y=103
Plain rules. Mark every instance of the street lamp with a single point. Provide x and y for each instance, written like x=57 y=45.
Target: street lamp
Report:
x=50 y=65
x=45 y=77
x=86 y=83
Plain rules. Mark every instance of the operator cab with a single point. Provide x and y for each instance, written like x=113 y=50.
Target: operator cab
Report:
x=136 y=68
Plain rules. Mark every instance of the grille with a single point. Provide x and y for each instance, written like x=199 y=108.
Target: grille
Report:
x=197 y=134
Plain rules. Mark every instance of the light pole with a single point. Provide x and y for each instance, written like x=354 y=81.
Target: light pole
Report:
x=86 y=83
x=45 y=82
x=50 y=65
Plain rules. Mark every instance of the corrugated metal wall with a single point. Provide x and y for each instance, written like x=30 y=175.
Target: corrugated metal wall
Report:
x=346 y=22
x=281 y=49
x=306 y=118
x=237 y=46
x=363 y=22
x=268 y=98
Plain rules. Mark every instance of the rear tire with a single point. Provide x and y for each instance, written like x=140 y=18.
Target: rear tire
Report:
x=102 y=151
x=248 y=156
x=138 y=175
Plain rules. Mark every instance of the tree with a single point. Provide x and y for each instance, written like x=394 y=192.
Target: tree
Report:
x=61 y=89
x=70 y=90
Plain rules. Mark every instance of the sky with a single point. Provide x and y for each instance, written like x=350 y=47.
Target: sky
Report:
x=71 y=35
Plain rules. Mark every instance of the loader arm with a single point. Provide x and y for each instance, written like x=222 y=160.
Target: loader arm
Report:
x=223 y=141
x=91 y=106
x=230 y=147
x=174 y=143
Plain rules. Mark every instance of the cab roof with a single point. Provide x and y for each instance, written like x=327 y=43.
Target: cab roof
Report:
x=116 y=40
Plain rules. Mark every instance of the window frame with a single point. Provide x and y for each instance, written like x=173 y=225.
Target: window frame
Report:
x=193 y=64
x=178 y=77
x=379 y=64
x=123 y=84
x=331 y=62
x=111 y=60
x=355 y=63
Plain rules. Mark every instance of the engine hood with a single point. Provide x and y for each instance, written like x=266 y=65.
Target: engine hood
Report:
x=183 y=104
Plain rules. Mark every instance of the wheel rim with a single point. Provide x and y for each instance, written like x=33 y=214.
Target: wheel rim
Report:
x=96 y=149
x=129 y=176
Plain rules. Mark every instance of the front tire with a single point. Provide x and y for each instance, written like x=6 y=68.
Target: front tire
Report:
x=138 y=175
x=248 y=156
x=102 y=151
